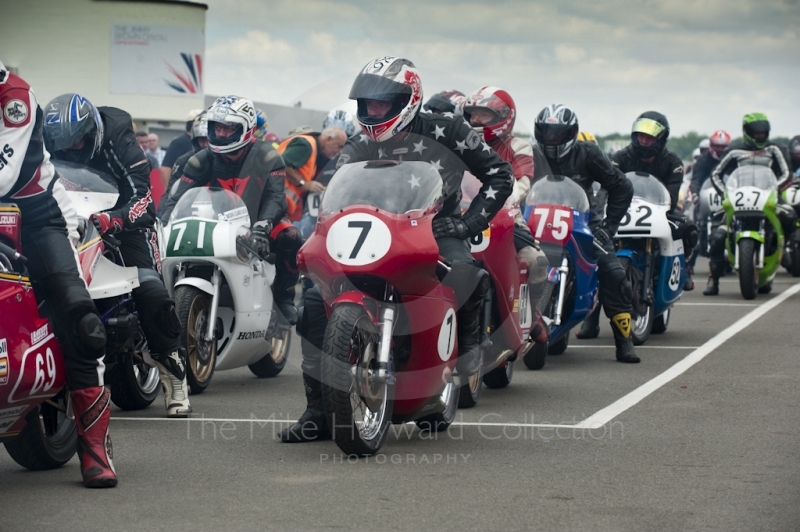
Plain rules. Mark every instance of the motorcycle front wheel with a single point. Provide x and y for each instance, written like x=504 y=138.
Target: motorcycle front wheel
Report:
x=642 y=318
x=795 y=256
x=358 y=404
x=275 y=360
x=748 y=273
x=194 y=307
x=49 y=440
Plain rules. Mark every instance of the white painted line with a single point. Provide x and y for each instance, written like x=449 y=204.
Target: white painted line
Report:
x=588 y=346
x=776 y=281
x=289 y=421
x=600 y=418
x=716 y=304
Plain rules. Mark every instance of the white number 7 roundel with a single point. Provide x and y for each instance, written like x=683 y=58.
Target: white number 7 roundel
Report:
x=358 y=239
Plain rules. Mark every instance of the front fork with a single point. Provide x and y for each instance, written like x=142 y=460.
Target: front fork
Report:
x=647 y=285
x=212 y=313
x=761 y=246
x=563 y=276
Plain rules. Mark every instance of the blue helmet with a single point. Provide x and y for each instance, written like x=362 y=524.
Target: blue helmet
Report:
x=70 y=118
x=343 y=119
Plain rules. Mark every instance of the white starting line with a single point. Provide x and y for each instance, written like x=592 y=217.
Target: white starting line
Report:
x=600 y=418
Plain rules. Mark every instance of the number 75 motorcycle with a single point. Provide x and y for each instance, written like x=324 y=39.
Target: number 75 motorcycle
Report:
x=390 y=345
x=222 y=289
x=652 y=257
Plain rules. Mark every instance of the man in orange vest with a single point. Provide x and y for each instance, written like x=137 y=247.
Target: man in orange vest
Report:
x=305 y=156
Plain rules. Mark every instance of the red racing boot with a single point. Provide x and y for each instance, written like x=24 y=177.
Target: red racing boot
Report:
x=90 y=406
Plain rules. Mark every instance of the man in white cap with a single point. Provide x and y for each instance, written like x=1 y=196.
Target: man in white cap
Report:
x=178 y=147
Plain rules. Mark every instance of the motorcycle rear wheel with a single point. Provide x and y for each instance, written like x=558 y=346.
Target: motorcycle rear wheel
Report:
x=558 y=347
x=49 y=440
x=359 y=406
x=748 y=273
x=275 y=360
x=194 y=306
x=134 y=383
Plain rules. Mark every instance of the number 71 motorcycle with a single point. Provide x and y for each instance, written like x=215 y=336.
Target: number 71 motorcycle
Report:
x=390 y=345
x=652 y=257
x=222 y=289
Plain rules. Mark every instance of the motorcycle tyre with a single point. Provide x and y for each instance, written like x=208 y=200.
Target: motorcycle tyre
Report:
x=267 y=367
x=337 y=380
x=124 y=380
x=558 y=347
x=661 y=322
x=441 y=421
x=36 y=450
x=500 y=377
x=795 y=268
x=535 y=358
x=639 y=335
x=186 y=297
x=748 y=273
x=470 y=393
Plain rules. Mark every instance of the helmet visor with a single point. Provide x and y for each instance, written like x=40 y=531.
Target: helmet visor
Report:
x=372 y=87
x=554 y=134
x=648 y=126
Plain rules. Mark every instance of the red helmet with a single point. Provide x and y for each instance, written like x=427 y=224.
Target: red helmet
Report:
x=499 y=103
x=389 y=79
x=718 y=142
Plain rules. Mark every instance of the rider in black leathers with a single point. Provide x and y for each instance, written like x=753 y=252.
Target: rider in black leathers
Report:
x=389 y=95
x=556 y=130
x=665 y=166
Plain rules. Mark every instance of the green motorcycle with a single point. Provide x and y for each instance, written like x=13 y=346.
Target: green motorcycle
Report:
x=755 y=240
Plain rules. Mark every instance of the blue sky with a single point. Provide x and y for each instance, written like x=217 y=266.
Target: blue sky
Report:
x=703 y=63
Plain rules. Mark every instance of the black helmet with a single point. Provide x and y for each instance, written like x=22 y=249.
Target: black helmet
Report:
x=654 y=124
x=449 y=101
x=70 y=118
x=556 y=130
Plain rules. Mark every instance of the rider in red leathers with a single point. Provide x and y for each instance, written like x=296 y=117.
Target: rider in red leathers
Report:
x=28 y=179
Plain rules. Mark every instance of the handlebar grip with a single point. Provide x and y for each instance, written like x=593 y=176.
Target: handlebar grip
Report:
x=12 y=253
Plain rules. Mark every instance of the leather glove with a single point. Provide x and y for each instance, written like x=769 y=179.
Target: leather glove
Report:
x=259 y=237
x=105 y=223
x=450 y=227
x=603 y=235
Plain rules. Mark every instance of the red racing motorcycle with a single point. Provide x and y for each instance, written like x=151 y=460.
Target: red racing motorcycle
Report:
x=390 y=345
x=507 y=316
x=35 y=427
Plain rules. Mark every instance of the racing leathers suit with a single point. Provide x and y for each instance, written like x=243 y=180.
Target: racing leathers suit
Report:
x=28 y=179
x=738 y=154
x=452 y=147
x=585 y=164
x=257 y=177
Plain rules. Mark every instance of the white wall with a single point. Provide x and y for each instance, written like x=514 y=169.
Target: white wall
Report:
x=61 y=46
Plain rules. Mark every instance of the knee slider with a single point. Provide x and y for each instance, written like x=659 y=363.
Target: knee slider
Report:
x=91 y=334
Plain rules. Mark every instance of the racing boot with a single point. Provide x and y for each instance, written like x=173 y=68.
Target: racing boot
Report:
x=313 y=424
x=90 y=406
x=712 y=288
x=590 y=327
x=621 y=325
x=283 y=291
x=688 y=284
x=172 y=374
x=469 y=349
x=540 y=332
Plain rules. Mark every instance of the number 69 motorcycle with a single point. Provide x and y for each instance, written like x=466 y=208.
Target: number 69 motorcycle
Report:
x=390 y=345
x=222 y=289
x=652 y=257
x=755 y=243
